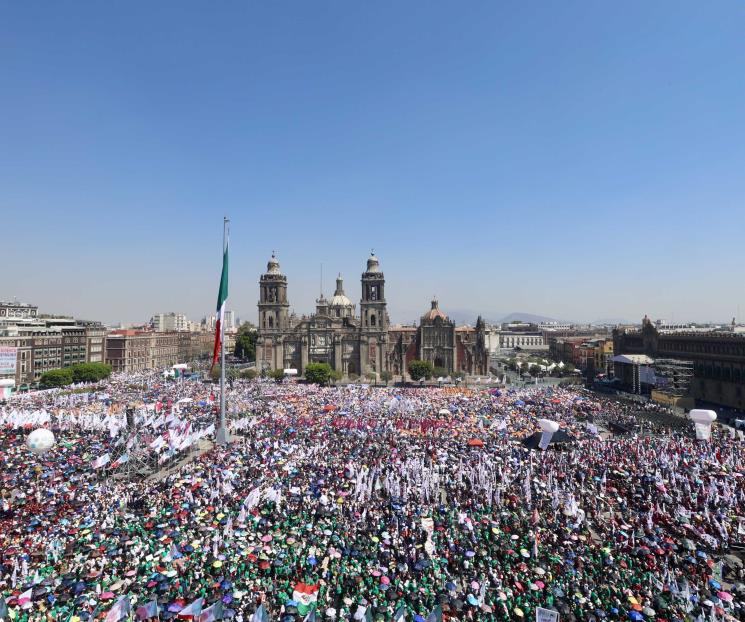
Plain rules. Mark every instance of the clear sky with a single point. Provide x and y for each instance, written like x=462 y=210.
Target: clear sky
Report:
x=581 y=160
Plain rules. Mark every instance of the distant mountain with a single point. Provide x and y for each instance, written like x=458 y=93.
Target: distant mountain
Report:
x=612 y=321
x=466 y=316
x=531 y=318
x=469 y=316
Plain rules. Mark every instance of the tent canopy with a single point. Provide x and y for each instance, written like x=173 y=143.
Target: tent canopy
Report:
x=559 y=438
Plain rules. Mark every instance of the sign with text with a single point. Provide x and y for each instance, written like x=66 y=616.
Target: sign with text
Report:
x=8 y=357
x=546 y=615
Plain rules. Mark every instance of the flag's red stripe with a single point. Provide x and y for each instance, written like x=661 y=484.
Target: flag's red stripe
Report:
x=216 y=351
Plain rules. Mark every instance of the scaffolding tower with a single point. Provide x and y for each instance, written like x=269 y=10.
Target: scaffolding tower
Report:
x=673 y=376
x=138 y=463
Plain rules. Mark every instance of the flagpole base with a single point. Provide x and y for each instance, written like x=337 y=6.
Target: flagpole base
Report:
x=222 y=436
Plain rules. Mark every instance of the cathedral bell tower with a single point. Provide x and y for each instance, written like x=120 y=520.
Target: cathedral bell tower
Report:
x=273 y=317
x=273 y=305
x=373 y=318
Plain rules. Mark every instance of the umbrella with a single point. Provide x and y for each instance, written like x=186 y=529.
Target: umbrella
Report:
x=475 y=442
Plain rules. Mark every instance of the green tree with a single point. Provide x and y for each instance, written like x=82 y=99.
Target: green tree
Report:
x=386 y=376
x=420 y=369
x=245 y=342
x=56 y=378
x=318 y=373
x=440 y=372
x=277 y=374
x=249 y=374
x=90 y=372
x=534 y=370
x=336 y=375
x=215 y=373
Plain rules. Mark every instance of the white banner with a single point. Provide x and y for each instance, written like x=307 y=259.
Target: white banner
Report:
x=703 y=431
x=546 y=615
x=8 y=358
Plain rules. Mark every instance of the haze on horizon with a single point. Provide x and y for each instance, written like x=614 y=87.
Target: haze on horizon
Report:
x=580 y=161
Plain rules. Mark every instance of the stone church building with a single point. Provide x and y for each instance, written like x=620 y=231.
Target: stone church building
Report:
x=361 y=343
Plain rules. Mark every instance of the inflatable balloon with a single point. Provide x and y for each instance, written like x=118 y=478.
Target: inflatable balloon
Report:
x=548 y=428
x=703 y=420
x=40 y=441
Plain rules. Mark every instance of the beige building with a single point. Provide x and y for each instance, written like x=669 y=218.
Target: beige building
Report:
x=45 y=343
x=132 y=350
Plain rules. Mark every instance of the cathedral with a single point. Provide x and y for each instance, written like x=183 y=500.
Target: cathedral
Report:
x=364 y=343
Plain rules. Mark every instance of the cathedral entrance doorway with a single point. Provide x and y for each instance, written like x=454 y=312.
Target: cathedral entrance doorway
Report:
x=439 y=362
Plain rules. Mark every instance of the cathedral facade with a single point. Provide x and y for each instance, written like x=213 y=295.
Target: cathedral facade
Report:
x=359 y=343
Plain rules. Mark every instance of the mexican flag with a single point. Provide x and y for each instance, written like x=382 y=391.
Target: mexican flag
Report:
x=222 y=296
x=305 y=596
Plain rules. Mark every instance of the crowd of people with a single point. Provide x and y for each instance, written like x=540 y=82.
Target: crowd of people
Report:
x=359 y=503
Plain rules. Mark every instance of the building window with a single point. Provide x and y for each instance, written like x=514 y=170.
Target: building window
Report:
x=372 y=319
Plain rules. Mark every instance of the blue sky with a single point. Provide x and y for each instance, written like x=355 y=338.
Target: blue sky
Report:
x=581 y=160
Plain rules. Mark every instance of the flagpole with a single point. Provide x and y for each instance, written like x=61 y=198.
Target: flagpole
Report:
x=222 y=436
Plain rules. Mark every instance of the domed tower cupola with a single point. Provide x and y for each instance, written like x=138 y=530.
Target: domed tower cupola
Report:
x=341 y=306
x=272 y=267
x=434 y=312
x=373 y=265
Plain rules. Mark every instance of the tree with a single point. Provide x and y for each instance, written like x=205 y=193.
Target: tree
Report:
x=215 y=373
x=371 y=376
x=56 y=378
x=318 y=373
x=420 y=369
x=249 y=374
x=440 y=372
x=336 y=375
x=245 y=342
x=386 y=376
x=277 y=374
x=534 y=370
x=90 y=372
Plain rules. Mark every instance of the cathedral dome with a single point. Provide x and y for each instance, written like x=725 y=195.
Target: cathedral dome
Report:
x=273 y=266
x=339 y=299
x=373 y=265
x=434 y=312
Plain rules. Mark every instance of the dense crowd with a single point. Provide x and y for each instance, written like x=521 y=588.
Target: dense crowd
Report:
x=364 y=503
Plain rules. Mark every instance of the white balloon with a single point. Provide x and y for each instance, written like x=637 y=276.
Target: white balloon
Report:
x=548 y=426
x=40 y=441
x=703 y=416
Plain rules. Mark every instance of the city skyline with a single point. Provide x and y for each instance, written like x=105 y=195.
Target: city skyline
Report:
x=302 y=298
x=578 y=161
